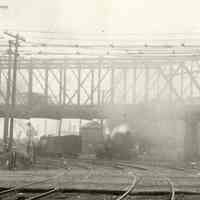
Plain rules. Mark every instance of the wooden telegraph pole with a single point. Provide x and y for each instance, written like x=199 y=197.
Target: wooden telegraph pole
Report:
x=13 y=96
x=6 y=119
x=16 y=38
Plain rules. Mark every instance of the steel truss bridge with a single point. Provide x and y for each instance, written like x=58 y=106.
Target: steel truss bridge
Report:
x=92 y=88
x=55 y=77
x=91 y=79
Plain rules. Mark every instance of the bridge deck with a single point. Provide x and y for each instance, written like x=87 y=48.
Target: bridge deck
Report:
x=101 y=111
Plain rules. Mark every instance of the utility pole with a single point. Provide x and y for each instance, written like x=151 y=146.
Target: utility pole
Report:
x=14 y=80
x=13 y=97
x=6 y=119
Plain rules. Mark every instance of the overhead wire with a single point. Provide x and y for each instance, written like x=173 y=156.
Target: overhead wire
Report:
x=106 y=47
x=45 y=31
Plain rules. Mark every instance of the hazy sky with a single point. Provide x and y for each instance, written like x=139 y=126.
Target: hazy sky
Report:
x=103 y=15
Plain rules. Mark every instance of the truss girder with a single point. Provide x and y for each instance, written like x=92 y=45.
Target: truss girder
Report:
x=103 y=83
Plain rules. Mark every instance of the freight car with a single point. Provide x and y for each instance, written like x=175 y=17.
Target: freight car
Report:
x=68 y=145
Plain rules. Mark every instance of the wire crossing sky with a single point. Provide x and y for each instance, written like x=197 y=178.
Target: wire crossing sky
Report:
x=103 y=16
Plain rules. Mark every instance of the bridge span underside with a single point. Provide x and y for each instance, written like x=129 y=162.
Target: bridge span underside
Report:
x=109 y=111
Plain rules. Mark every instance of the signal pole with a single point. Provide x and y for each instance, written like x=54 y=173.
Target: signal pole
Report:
x=13 y=97
x=6 y=119
x=14 y=80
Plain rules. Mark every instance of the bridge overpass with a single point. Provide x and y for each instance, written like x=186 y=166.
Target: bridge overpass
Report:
x=150 y=112
x=98 y=80
x=93 y=88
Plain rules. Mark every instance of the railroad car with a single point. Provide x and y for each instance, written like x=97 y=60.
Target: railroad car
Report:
x=68 y=145
x=118 y=145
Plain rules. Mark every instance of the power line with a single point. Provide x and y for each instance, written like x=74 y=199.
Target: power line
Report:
x=107 y=49
x=84 y=34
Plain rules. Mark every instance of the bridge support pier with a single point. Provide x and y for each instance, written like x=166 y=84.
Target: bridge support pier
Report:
x=191 y=140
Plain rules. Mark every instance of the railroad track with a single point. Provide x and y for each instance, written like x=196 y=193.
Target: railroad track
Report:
x=117 y=165
x=172 y=189
x=5 y=193
x=39 y=195
x=130 y=188
x=44 y=194
x=136 y=180
x=53 y=190
x=107 y=164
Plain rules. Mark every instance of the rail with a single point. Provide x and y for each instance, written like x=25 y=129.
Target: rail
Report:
x=130 y=189
x=43 y=194
x=16 y=188
x=172 y=189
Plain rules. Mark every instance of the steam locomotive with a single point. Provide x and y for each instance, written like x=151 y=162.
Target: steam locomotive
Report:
x=119 y=145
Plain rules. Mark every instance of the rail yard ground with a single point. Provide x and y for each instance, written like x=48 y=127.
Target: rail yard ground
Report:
x=99 y=179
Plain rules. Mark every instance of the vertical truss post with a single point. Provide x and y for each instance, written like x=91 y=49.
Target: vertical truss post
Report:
x=92 y=86
x=146 y=89
x=170 y=83
x=182 y=81
x=79 y=86
x=30 y=82
x=79 y=126
x=6 y=119
x=112 y=85
x=60 y=98
x=124 y=85
x=46 y=84
x=60 y=85
x=99 y=84
x=101 y=125
x=64 y=85
x=45 y=126
x=158 y=84
x=59 y=127
x=134 y=85
x=103 y=97
x=191 y=81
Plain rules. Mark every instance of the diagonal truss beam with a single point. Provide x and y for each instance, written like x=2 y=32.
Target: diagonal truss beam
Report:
x=81 y=85
x=76 y=91
x=98 y=84
x=169 y=83
x=58 y=81
x=193 y=79
x=41 y=85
